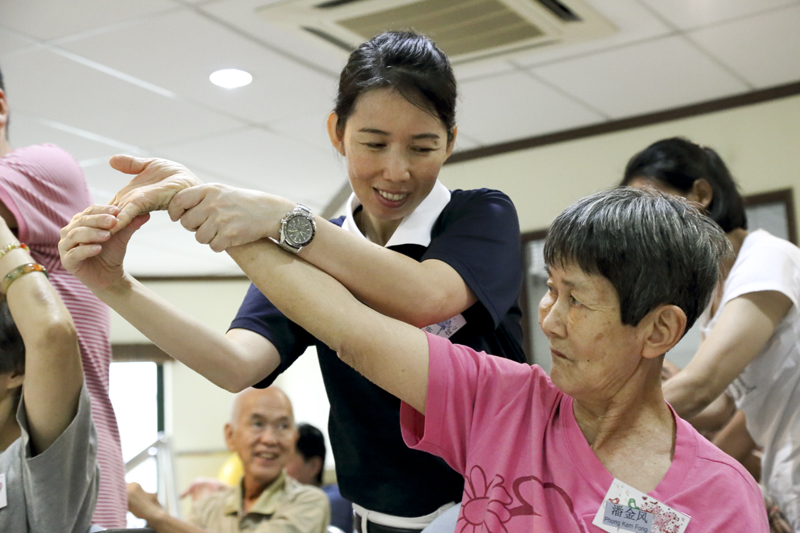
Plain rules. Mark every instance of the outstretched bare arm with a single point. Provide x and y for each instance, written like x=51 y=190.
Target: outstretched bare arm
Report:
x=53 y=372
x=94 y=254
x=388 y=352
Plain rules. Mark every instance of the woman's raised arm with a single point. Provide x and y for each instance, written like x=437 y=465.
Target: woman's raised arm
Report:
x=745 y=325
x=95 y=256
x=53 y=372
x=388 y=352
x=432 y=291
x=392 y=354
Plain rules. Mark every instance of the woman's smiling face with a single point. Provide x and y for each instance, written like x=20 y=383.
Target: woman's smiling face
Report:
x=394 y=153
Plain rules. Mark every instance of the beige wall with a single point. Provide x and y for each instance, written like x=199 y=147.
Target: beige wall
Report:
x=761 y=144
x=195 y=409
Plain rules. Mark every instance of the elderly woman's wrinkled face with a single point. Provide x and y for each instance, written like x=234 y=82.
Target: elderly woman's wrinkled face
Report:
x=594 y=353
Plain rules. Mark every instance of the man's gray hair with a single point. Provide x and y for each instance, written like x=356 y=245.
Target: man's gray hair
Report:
x=654 y=248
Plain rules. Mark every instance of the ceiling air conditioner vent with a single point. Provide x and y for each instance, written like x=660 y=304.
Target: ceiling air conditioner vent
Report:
x=466 y=30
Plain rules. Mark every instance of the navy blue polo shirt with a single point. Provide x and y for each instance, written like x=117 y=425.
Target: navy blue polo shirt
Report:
x=477 y=233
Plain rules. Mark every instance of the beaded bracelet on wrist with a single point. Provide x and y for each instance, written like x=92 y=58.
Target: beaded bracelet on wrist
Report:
x=13 y=246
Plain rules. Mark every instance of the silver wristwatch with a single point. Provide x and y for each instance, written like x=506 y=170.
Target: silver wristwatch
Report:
x=297 y=229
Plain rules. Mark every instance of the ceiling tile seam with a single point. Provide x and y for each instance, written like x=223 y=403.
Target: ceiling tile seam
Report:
x=203 y=137
x=582 y=55
x=85 y=134
x=224 y=179
x=720 y=23
x=155 y=153
x=252 y=38
x=719 y=62
x=562 y=91
x=485 y=76
x=133 y=80
x=658 y=15
x=263 y=127
x=481 y=76
x=112 y=27
x=30 y=44
x=684 y=35
x=300 y=139
x=199 y=169
x=49 y=45
x=473 y=140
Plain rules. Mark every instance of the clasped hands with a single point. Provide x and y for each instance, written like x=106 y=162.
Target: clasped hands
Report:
x=219 y=215
x=93 y=245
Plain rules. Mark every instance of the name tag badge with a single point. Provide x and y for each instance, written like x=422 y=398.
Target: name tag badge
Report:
x=3 y=493
x=448 y=328
x=626 y=509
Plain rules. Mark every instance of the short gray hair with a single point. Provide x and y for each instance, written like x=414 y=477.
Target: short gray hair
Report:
x=654 y=248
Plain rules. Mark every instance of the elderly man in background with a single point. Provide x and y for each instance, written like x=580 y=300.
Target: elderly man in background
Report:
x=307 y=465
x=262 y=433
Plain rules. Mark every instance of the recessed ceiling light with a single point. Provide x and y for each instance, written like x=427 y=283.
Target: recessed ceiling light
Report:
x=231 y=78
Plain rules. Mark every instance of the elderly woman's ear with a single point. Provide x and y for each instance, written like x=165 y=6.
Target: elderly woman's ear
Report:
x=665 y=326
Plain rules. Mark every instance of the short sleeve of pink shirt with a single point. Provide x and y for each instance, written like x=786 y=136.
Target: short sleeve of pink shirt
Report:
x=43 y=187
x=527 y=466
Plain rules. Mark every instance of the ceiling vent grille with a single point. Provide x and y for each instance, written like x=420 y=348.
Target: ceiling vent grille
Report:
x=466 y=30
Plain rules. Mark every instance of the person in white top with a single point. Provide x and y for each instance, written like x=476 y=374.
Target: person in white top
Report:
x=749 y=358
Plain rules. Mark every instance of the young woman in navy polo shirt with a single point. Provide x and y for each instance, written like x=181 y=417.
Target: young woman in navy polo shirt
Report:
x=446 y=261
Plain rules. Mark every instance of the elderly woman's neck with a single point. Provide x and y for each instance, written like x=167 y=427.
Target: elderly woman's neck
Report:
x=639 y=403
x=633 y=435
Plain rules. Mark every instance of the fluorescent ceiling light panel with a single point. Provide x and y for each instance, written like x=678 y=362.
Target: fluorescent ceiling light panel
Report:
x=231 y=78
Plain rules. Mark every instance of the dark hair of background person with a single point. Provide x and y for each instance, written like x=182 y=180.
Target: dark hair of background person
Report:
x=678 y=163
x=12 y=349
x=654 y=248
x=310 y=444
x=407 y=62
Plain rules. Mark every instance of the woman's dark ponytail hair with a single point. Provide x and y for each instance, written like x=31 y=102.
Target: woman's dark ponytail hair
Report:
x=678 y=163
x=407 y=62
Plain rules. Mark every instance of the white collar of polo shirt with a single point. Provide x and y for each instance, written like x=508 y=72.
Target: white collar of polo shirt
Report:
x=413 y=229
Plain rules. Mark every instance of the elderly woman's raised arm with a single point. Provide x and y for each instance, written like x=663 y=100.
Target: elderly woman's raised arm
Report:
x=392 y=354
x=94 y=255
x=388 y=352
x=53 y=372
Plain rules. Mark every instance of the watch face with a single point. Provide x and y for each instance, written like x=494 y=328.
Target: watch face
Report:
x=299 y=230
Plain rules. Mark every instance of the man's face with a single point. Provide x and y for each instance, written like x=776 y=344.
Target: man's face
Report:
x=303 y=471
x=262 y=433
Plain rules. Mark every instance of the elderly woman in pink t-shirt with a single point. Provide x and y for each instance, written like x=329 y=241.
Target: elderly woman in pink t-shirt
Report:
x=594 y=449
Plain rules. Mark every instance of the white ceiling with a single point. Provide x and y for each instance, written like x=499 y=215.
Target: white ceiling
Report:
x=99 y=77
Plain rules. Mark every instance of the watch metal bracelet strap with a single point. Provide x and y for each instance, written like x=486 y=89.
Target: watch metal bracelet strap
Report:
x=297 y=229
